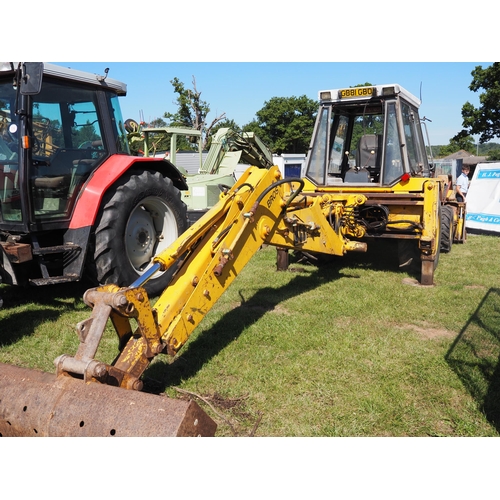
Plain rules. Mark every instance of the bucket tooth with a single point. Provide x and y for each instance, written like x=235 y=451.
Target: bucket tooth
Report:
x=35 y=403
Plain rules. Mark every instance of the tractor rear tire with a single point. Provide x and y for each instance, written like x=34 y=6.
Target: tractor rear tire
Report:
x=141 y=215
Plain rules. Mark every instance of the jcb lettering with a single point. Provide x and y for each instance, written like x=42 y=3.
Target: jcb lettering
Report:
x=273 y=196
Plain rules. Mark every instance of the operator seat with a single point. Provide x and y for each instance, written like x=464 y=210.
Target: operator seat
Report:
x=367 y=160
x=368 y=155
x=356 y=174
x=55 y=179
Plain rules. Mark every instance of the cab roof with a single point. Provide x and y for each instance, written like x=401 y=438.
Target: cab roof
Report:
x=360 y=94
x=82 y=76
x=74 y=75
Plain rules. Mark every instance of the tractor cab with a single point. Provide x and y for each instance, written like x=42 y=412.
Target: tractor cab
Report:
x=64 y=154
x=366 y=136
x=52 y=136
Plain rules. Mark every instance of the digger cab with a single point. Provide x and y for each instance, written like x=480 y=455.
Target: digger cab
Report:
x=366 y=135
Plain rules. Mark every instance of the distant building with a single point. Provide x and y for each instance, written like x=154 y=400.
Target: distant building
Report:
x=190 y=160
x=290 y=165
x=464 y=158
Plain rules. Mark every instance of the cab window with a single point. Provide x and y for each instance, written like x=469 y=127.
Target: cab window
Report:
x=10 y=198
x=67 y=146
x=413 y=139
x=319 y=148
x=393 y=163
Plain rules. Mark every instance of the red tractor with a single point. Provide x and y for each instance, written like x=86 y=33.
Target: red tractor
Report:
x=73 y=200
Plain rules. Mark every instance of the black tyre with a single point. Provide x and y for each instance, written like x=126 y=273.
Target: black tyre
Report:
x=409 y=255
x=141 y=215
x=446 y=228
x=439 y=235
x=131 y=126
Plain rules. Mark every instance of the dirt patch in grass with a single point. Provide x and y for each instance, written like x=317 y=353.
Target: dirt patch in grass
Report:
x=428 y=332
x=226 y=403
x=230 y=412
x=281 y=310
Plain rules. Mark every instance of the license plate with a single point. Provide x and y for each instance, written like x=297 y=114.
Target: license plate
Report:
x=357 y=92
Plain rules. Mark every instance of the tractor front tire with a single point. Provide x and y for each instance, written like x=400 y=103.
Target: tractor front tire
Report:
x=141 y=215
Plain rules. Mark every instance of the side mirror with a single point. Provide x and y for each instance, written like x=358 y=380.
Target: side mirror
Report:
x=31 y=78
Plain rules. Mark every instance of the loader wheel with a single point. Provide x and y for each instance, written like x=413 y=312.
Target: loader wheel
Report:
x=446 y=228
x=141 y=215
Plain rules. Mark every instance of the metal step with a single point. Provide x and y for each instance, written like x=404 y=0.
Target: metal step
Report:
x=67 y=247
x=54 y=280
x=68 y=251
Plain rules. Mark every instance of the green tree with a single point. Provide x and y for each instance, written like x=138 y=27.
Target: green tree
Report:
x=192 y=111
x=456 y=144
x=231 y=124
x=484 y=120
x=157 y=123
x=494 y=155
x=226 y=124
x=285 y=124
x=85 y=134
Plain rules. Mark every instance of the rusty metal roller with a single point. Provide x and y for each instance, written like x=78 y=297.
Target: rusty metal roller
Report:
x=35 y=403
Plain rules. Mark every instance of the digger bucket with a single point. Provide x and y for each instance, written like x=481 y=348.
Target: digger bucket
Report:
x=35 y=403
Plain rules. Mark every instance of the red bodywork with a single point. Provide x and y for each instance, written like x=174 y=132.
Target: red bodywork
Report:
x=89 y=200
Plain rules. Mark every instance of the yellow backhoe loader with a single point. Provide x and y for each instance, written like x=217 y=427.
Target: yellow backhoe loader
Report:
x=367 y=177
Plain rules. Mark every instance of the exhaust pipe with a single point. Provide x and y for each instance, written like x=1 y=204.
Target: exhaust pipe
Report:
x=35 y=403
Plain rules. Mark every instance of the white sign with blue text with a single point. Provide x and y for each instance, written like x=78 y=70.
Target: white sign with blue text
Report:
x=483 y=198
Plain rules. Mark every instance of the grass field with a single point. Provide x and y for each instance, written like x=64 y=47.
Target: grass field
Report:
x=345 y=349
